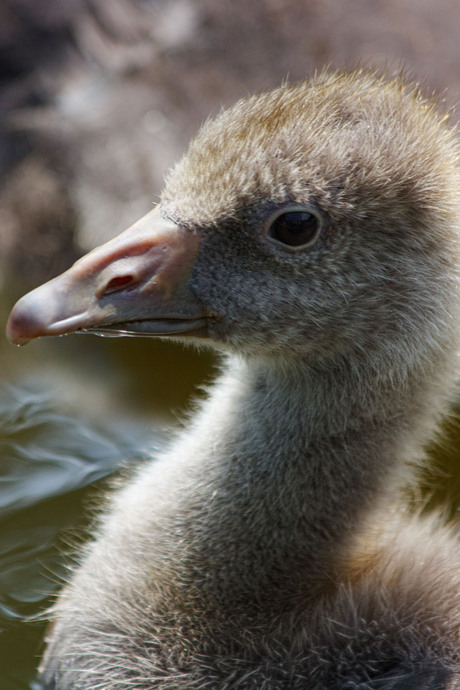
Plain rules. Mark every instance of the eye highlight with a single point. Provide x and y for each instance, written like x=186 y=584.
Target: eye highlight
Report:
x=295 y=228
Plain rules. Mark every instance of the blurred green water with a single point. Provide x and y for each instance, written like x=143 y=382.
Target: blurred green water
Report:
x=53 y=462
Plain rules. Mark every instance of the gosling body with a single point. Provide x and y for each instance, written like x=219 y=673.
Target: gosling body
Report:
x=268 y=547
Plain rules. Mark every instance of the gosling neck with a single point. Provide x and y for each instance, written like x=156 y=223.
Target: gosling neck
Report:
x=291 y=459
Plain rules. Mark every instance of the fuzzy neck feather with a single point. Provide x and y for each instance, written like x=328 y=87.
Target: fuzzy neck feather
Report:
x=268 y=487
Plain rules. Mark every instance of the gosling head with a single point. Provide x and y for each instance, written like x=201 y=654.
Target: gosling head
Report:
x=318 y=220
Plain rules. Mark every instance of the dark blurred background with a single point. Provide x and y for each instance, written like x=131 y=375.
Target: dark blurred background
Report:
x=97 y=101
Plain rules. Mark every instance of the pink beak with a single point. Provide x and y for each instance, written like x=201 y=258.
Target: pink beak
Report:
x=136 y=284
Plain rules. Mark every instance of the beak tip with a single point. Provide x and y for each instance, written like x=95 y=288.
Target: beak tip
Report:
x=23 y=324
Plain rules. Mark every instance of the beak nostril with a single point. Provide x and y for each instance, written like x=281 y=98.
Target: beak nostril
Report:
x=118 y=283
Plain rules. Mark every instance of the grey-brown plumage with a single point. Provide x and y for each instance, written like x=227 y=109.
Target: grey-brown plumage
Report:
x=312 y=233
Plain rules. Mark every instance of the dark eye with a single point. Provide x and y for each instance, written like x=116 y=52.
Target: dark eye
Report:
x=296 y=229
